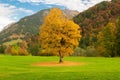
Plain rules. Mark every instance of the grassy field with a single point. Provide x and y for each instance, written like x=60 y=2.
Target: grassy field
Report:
x=20 y=68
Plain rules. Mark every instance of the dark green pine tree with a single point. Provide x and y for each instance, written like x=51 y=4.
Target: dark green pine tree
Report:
x=118 y=37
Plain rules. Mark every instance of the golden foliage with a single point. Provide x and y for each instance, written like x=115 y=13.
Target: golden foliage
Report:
x=23 y=51
x=17 y=49
x=8 y=49
x=58 y=35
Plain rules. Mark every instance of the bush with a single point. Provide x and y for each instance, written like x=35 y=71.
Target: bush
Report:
x=8 y=49
x=34 y=49
x=2 y=49
x=17 y=49
x=14 y=51
x=79 y=52
x=91 y=51
x=23 y=52
x=88 y=52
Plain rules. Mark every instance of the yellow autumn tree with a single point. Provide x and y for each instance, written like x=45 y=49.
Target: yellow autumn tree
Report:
x=58 y=35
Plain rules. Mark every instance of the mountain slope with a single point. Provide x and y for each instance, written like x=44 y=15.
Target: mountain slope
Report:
x=95 y=18
x=28 y=26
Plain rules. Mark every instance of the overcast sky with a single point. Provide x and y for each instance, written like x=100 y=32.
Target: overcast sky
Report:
x=13 y=10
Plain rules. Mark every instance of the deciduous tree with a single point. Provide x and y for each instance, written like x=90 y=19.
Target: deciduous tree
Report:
x=58 y=35
x=106 y=40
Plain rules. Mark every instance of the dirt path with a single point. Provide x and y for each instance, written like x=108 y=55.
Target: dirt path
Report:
x=66 y=63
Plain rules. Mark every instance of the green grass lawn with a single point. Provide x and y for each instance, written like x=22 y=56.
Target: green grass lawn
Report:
x=20 y=68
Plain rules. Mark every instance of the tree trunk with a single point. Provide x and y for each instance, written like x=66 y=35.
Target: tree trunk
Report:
x=61 y=57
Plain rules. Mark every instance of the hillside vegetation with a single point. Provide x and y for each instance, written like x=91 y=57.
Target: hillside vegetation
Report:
x=95 y=18
x=28 y=26
x=99 y=27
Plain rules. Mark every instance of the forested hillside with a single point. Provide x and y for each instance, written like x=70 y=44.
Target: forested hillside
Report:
x=28 y=26
x=95 y=18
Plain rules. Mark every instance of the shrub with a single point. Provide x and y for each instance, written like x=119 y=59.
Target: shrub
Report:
x=2 y=49
x=8 y=49
x=79 y=52
x=14 y=51
x=91 y=52
x=23 y=51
